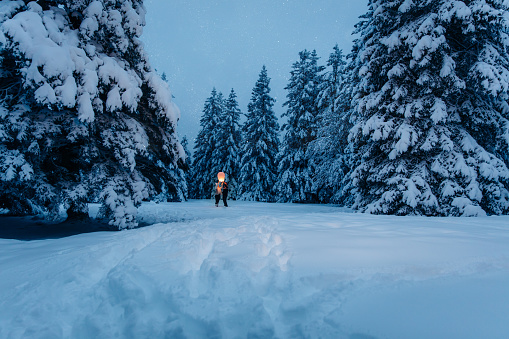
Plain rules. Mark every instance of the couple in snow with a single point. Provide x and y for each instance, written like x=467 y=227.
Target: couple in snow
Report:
x=221 y=188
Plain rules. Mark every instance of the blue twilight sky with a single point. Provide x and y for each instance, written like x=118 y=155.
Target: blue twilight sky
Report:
x=201 y=44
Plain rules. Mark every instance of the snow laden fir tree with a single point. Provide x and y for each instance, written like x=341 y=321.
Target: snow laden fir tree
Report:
x=83 y=116
x=258 y=170
x=217 y=145
x=295 y=170
x=430 y=113
x=327 y=151
x=228 y=146
x=204 y=168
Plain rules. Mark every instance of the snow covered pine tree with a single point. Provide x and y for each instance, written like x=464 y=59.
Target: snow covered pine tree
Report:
x=83 y=116
x=217 y=145
x=205 y=167
x=431 y=111
x=258 y=170
x=188 y=162
x=226 y=153
x=296 y=173
x=327 y=152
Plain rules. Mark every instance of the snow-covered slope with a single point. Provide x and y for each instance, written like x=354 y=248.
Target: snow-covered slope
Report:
x=262 y=270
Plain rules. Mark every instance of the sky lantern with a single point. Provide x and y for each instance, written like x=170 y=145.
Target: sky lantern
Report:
x=220 y=176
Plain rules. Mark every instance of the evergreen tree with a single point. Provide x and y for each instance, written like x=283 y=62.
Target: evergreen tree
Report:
x=295 y=171
x=335 y=132
x=332 y=83
x=226 y=152
x=258 y=170
x=430 y=109
x=188 y=162
x=206 y=162
x=327 y=152
x=83 y=116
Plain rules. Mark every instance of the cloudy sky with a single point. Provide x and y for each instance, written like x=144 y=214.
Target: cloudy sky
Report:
x=201 y=44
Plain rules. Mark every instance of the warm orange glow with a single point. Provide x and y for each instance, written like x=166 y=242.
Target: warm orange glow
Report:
x=220 y=176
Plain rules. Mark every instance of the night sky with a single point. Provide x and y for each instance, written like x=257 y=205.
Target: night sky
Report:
x=201 y=44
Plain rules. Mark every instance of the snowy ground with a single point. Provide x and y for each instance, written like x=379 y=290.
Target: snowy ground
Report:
x=257 y=270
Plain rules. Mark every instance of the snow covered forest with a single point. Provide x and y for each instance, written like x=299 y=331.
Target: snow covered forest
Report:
x=412 y=121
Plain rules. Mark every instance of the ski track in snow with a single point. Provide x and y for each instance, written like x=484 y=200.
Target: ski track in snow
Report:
x=251 y=271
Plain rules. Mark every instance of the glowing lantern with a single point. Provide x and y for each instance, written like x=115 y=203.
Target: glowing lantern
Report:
x=220 y=176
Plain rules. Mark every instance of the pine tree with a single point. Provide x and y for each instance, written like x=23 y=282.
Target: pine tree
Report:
x=430 y=109
x=335 y=134
x=206 y=162
x=295 y=171
x=327 y=153
x=83 y=116
x=258 y=170
x=226 y=153
x=332 y=83
x=188 y=162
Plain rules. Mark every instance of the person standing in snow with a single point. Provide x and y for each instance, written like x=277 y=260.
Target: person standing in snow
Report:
x=221 y=187
x=225 y=193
